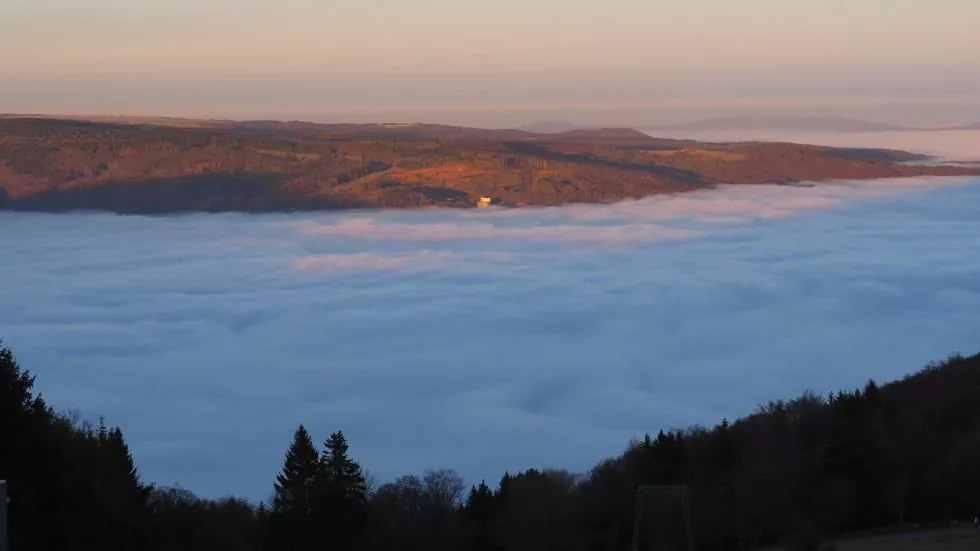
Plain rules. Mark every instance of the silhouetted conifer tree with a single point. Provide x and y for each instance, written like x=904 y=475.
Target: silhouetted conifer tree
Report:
x=341 y=510
x=23 y=422
x=478 y=513
x=291 y=520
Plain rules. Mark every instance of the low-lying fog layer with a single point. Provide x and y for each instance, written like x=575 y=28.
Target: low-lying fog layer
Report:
x=481 y=340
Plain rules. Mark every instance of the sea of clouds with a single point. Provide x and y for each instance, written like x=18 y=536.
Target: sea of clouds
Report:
x=486 y=340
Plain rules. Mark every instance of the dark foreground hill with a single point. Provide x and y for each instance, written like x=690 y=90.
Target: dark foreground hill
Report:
x=795 y=472
x=163 y=166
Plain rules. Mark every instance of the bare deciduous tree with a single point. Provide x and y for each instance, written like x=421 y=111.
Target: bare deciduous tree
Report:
x=444 y=487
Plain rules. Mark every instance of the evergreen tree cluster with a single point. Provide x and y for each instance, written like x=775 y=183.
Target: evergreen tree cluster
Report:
x=793 y=472
x=318 y=497
x=72 y=485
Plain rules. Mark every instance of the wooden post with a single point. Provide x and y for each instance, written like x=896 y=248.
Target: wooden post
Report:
x=686 y=504
x=638 y=519
x=4 y=544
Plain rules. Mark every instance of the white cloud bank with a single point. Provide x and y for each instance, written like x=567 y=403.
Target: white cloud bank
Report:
x=479 y=340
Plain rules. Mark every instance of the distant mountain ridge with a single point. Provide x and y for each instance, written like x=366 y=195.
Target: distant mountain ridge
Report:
x=553 y=127
x=733 y=123
x=805 y=124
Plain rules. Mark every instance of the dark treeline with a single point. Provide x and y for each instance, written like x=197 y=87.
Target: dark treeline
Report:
x=794 y=472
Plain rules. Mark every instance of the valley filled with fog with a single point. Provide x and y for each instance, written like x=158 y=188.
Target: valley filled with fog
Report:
x=486 y=340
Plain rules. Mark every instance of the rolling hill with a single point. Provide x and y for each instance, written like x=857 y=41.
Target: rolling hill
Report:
x=175 y=165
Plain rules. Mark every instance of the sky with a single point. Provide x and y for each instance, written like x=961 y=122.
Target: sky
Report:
x=482 y=340
x=494 y=63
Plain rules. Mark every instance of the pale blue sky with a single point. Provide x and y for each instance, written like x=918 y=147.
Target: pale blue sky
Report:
x=242 y=57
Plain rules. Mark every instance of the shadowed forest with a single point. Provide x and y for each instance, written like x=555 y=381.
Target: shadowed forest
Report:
x=795 y=473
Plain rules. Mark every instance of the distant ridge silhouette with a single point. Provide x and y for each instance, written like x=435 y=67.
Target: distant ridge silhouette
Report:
x=553 y=127
x=808 y=124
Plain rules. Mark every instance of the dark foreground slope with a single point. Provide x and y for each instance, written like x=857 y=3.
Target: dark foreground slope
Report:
x=794 y=472
x=258 y=166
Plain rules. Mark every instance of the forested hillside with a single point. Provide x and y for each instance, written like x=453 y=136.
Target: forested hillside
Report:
x=57 y=165
x=796 y=472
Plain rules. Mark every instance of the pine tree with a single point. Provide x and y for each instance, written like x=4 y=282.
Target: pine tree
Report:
x=102 y=435
x=126 y=496
x=15 y=385
x=112 y=443
x=503 y=489
x=294 y=485
x=871 y=394
x=341 y=472
x=342 y=503
x=479 y=504
x=261 y=526
x=21 y=412
x=479 y=512
x=293 y=501
x=24 y=420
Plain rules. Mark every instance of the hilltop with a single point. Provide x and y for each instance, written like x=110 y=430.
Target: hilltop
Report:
x=552 y=127
x=153 y=165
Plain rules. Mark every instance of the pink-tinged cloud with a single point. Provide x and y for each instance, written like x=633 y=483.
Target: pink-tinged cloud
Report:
x=369 y=228
x=736 y=203
x=423 y=259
